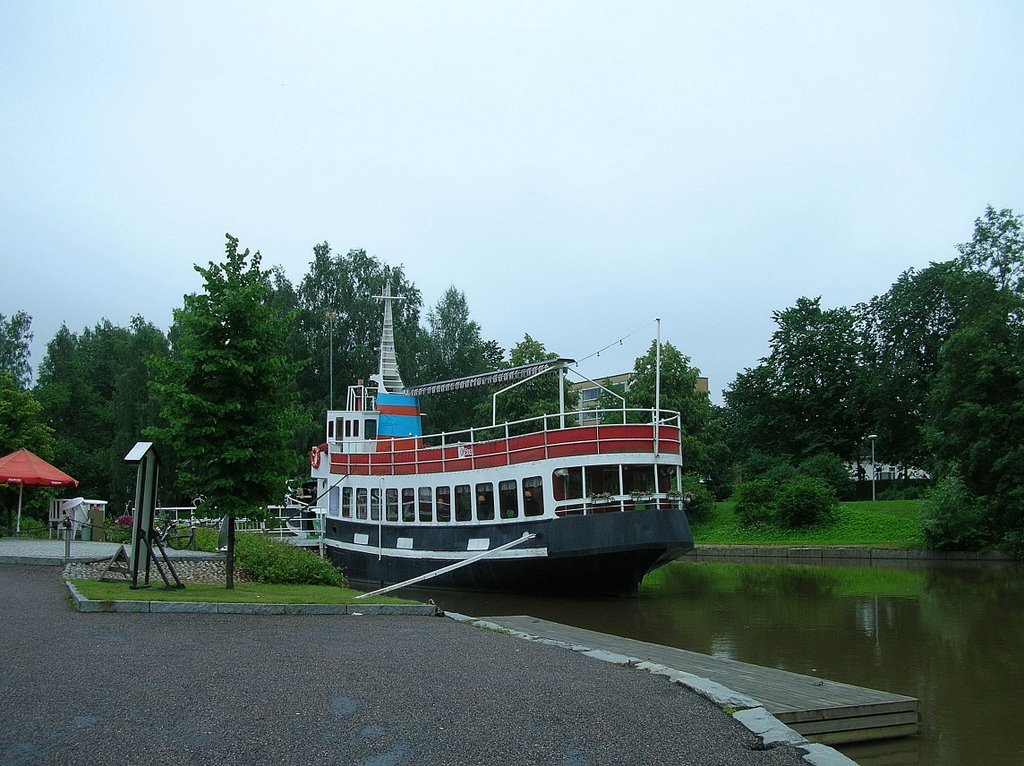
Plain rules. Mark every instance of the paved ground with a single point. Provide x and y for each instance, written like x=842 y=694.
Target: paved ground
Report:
x=31 y=551
x=374 y=691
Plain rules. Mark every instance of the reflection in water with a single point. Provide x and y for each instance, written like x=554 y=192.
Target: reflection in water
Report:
x=948 y=635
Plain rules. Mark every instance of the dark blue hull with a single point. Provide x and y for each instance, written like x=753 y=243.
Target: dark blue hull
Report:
x=608 y=553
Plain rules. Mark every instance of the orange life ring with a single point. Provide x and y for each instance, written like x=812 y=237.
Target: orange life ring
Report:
x=314 y=457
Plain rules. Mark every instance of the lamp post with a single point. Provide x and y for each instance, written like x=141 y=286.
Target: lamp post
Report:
x=872 y=437
x=330 y=354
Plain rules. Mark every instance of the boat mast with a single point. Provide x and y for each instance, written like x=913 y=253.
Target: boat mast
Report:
x=388 y=378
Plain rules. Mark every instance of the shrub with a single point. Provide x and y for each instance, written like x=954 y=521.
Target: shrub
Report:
x=804 y=501
x=755 y=502
x=831 y=470
x=698 y=498
x=1013 y=543
x=953 y=518
x=266 y=560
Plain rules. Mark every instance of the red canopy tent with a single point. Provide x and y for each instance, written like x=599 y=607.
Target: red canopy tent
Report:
x=25 y=468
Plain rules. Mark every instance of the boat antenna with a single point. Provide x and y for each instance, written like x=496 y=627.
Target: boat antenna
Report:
x=388 y=378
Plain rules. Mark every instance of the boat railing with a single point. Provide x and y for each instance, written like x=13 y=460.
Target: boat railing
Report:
x=283 y=521
x=535 y=438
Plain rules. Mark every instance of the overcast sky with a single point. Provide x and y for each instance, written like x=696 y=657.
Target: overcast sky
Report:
x=576 y=169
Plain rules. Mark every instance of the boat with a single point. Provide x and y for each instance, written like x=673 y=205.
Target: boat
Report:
x=544 y=505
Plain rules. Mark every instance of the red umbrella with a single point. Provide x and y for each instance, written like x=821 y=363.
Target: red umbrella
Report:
x=23 y=467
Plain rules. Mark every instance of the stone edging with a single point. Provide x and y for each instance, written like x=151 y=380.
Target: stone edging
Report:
x=828 y=553
x=83 y=604
x=748 y=711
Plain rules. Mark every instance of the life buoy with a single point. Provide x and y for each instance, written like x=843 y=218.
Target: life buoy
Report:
x=314 y=457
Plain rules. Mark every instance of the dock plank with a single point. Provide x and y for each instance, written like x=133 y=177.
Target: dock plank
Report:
x=820 y=709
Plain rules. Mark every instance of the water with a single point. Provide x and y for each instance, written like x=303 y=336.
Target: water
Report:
x=951 y=636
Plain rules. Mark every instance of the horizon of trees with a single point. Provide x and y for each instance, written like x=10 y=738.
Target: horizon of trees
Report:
x=932 y=367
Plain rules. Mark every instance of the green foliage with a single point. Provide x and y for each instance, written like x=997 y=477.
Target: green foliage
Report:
x=760 y=465
x=271 y=561
x=953 y=518
x=15 y=336
x=228 y=400
x=94 y=389
x=831 y=470
x=699 y=499
x=534 y=398
x=804 y=501
x=755 y=503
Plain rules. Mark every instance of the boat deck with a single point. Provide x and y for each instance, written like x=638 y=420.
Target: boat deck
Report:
x=821 y=710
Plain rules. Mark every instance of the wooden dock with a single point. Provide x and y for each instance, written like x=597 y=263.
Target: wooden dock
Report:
x=821 y=710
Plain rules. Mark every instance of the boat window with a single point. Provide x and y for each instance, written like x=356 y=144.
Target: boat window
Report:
x=443 y=496
x=330 y=429
x=533 y=496
x=370 y=428
x=602 y=479
x=375 y=504
x=355 y=428
x=485 y=501
x=508 y=499
x=426 y=504
x=668 y=478
x=346 y=501
x=361 y=503
x=567 y=483
x=463 y=503
x=391 y=501
x=348 y=428
x=334 y=500
x=638 y=478
x=408 y=504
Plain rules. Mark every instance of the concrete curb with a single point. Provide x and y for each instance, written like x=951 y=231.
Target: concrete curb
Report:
x=748 y=711
x=82 y=604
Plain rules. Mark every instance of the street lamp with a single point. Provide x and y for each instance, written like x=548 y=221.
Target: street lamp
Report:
x=872 y=437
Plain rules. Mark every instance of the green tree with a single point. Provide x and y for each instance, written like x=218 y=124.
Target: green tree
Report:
x=94 y=390
x=806 y=396
x=227 y=399
x=536 y=397
x=703 y=440
x=21 y=427
x=454 y=349
x=15 y=336
x=339 y=322
x=997 y=248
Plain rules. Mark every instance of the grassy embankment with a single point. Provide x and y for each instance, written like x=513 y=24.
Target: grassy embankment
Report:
x=880 y=524
x=242 y=593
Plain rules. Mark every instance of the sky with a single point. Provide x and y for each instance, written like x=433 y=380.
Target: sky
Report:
x=577 y=169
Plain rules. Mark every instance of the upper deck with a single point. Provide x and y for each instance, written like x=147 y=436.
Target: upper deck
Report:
x=506 y=445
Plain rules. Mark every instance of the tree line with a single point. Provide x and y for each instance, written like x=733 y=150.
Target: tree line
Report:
x=932 y=368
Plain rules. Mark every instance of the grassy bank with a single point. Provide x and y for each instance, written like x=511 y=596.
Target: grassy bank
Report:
x=242 y=593
x=883 y=524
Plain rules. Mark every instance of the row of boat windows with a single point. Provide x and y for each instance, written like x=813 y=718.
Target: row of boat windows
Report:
x=509 y=500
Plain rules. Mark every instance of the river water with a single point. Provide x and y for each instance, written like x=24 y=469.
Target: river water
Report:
x=950 y=635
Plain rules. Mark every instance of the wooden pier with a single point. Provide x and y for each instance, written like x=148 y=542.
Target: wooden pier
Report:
x=821 y=710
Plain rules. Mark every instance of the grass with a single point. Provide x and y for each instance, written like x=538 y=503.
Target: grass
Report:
x=882 y=524
x=242 y=593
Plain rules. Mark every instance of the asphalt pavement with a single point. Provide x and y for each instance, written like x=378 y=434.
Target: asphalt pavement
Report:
x=374 y=691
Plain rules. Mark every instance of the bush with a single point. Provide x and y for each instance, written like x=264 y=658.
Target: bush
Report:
x=1013 y=543
x=804 y=501
x=831 y=470
x=698 y=498
x=755 y=503
x=267 y=560
x=953 y=518
x=759 y=465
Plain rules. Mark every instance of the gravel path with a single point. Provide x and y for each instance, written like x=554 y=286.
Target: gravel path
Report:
x=375 y=691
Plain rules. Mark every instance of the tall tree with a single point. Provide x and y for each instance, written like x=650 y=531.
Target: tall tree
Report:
x=703 y=442
x=997 y=248
x=906 y=329
x=536 y=397
x=339 y=324
x=21 y=427
x=228 y=403
x=454 y=349
x=15 y=336
x=804 y=397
